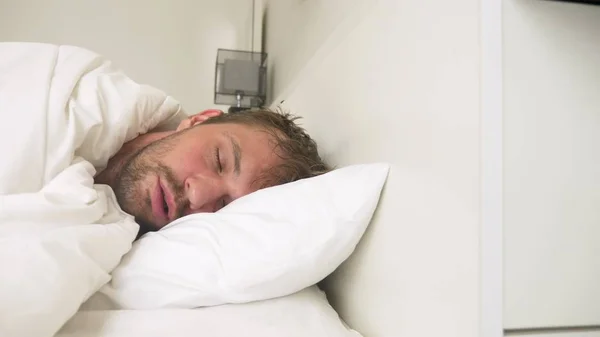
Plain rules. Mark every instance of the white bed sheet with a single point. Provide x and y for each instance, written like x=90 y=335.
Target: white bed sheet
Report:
x=306 y=313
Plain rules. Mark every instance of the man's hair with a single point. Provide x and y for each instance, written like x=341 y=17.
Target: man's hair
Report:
x=293 y=145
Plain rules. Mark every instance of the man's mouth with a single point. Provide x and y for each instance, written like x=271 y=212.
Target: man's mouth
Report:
x=160 y=204
x=165 y=207
x=168 y=201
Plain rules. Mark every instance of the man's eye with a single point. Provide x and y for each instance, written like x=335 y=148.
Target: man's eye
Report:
x=218 y=160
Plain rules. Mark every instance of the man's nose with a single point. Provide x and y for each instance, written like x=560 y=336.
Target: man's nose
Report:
x=203 y=194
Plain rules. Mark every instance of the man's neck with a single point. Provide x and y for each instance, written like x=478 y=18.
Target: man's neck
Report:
x=115 y=164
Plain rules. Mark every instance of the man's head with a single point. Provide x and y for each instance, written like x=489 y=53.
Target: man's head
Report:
x=210 y=160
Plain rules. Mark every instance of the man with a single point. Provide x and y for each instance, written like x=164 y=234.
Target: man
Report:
x=210 y=160
x=75 y=129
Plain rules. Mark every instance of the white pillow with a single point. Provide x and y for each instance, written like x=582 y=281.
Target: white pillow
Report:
x=306 y=313
x=270 y=243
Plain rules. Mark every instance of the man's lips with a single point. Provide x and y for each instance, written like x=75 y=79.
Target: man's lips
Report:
x=158 y=200
x=169 y=200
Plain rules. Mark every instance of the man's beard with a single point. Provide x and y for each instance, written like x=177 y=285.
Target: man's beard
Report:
x=129 y=182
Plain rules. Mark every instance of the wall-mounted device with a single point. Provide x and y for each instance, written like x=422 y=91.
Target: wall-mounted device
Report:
x=240 y=79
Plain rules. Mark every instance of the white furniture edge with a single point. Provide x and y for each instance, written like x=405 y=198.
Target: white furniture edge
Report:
x=491 y=320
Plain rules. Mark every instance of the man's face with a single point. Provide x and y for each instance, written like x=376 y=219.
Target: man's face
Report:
x=199 y=169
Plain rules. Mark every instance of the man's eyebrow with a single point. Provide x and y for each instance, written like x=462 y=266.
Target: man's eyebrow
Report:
x=237 y=153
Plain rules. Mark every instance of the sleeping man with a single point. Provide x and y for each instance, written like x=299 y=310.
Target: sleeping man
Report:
x=209 y=160
x=92 y=159
x=67 y=112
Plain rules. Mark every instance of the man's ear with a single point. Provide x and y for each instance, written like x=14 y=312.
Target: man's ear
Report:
x=198 y=118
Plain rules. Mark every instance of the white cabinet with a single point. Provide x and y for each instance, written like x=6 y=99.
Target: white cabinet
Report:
x=551 y=165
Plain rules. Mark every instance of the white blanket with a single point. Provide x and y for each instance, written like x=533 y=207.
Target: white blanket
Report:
x=64 y=111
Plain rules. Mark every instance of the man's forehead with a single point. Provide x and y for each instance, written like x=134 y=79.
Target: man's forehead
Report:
x=257 y=142
x=253 y=133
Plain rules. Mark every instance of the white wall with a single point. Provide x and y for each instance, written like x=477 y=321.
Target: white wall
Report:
x=551 y=164
x=296 y=31
x=400 y=85
x=170 y=44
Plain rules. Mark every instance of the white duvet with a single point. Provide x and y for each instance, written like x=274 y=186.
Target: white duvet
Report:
x=64 y=111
